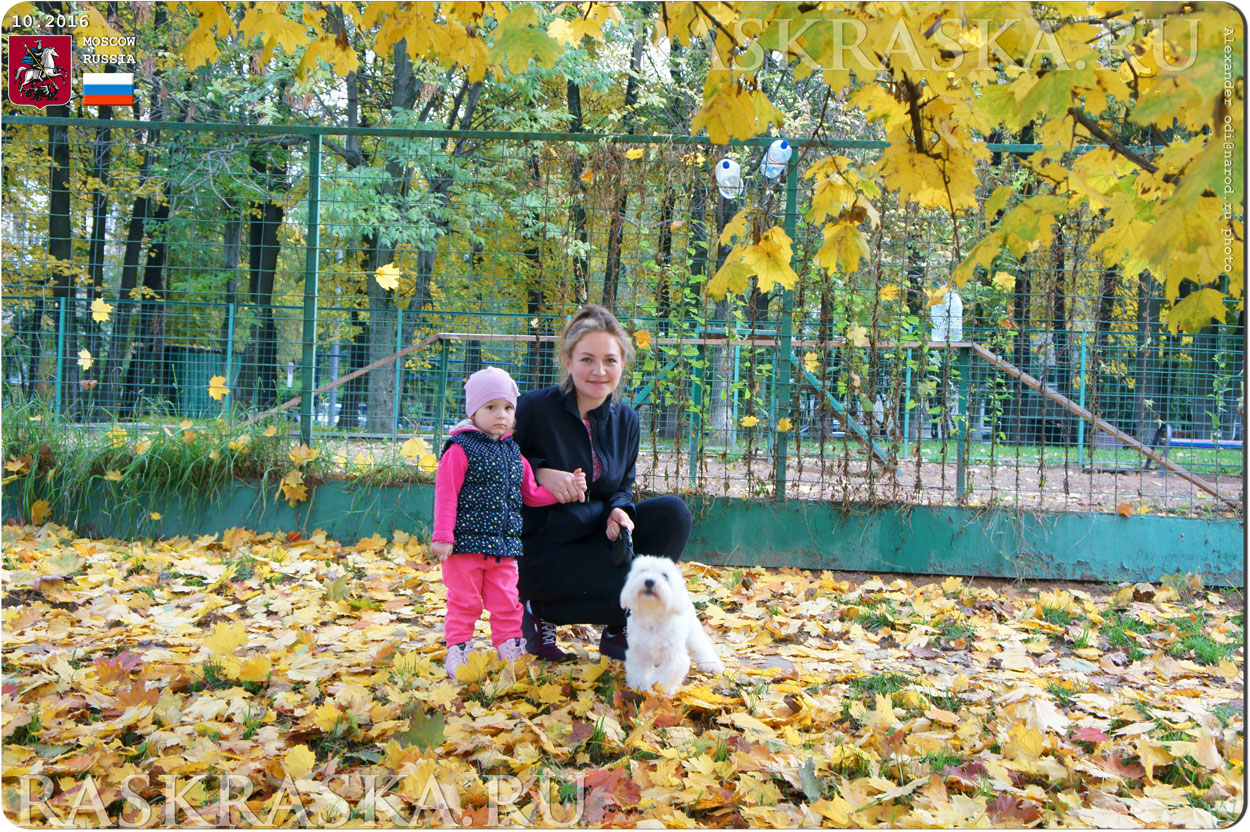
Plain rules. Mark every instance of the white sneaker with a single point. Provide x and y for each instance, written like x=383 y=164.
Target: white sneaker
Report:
x=456 y=654
x=511 y=650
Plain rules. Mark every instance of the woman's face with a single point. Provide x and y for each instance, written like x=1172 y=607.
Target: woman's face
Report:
x=595 y=367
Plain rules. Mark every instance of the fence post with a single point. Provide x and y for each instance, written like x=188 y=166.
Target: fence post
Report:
x=308 y=380
x=399 y=371
x=1080 y=423
x=964 y=423
x=907 y=405
x=229 y=351
x=784 y=349
x=444 y=348
x=60 y=357
x=696 y=413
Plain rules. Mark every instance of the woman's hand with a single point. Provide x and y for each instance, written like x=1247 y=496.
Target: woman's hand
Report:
x=565 y=487
x=616 y=520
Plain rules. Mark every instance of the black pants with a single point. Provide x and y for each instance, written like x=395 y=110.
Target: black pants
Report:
x=578 y=583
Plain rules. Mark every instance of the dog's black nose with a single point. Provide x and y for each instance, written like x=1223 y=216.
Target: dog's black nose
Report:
x=650 y=583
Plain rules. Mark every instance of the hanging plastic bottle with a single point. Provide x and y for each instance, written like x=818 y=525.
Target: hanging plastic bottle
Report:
x=774 y=162
x=729 y=178
x=947 y=317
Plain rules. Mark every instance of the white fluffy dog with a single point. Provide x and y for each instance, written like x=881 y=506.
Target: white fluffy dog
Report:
x=663 y=631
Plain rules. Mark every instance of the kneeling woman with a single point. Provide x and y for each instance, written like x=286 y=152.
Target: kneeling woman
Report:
x=567 y=575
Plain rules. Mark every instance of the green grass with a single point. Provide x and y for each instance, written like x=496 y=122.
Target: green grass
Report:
x=1196 y=459
x=1056 y=615
x=1195 y=644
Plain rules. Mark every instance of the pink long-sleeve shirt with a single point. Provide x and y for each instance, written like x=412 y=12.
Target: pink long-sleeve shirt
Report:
x=450 y=477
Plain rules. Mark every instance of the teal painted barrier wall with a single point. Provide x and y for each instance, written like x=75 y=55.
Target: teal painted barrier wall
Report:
x=925 y=540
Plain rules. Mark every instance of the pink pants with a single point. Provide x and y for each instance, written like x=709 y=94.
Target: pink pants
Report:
x=474 y=580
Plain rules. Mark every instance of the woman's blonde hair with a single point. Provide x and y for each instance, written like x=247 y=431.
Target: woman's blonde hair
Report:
x=592 y=318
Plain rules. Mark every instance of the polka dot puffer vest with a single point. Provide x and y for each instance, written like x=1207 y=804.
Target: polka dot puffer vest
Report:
x=488 y=512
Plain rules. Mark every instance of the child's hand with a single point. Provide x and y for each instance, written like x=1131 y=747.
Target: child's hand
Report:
x=442 y=550
x=579 y=480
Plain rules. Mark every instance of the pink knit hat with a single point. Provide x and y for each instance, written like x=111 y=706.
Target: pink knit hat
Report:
x=486 y=386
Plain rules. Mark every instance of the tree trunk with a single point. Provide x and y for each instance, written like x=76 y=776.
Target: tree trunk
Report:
x=117 y=356
x=616 y=230
x=258 y=375
x=1146 y=416
x=147 y=376
x=60 y=245
x=577 y=207
x=539 y=353
x=101 y=167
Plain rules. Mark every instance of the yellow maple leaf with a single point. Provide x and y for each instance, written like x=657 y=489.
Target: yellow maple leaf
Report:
x=1004 y=281
x=889 y=292
x=548 y=694
x=935 y=295
x=749 y=421
x=474 y=668
x=217 y=387
x=784 y=425
x=141 y=447
x=154 y=515
x=226 y=638
x=39 y=511
x=200 y=48
x=1197 y=310
x=372 y=543
x=301 y=454
x=635 y=153
x=428 y=463
x=326 y=717
x=292 y=488
x=730 y=114
x=239 y=444
x=255 y=669
x=271 y=431
x=84 y=359
x=642 y=339
x=732 y=278
x=811 y=362
x=857 y=334
x=100 y=310
x=769 y=260
x=387 y=277
x=882 y=714
x=19 y=464
x=414 y=449
x=1025 y=743
x=844 y=248
x=299 y=762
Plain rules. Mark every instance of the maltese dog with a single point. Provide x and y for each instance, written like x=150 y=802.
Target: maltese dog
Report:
x=663 y=631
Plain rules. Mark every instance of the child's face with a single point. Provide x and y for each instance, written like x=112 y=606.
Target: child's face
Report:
x=496 y=417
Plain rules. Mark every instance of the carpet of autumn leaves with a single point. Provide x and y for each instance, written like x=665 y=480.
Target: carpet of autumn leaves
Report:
x=310 y=670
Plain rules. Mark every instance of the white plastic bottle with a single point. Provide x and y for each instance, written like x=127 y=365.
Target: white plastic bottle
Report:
x=774 y=162
x=729 y=178
x=947 y=318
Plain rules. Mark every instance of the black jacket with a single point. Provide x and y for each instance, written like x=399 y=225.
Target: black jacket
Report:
x=550 y=432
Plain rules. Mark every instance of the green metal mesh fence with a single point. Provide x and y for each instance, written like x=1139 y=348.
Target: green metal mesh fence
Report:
x=196 y=241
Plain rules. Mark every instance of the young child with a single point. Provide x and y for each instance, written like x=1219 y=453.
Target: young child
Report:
x=480 y=485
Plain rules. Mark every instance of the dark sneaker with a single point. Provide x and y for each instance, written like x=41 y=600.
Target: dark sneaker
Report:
x=540 y=638
x=612 y=643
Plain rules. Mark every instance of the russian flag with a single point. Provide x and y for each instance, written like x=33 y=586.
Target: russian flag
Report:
x=108 y=88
